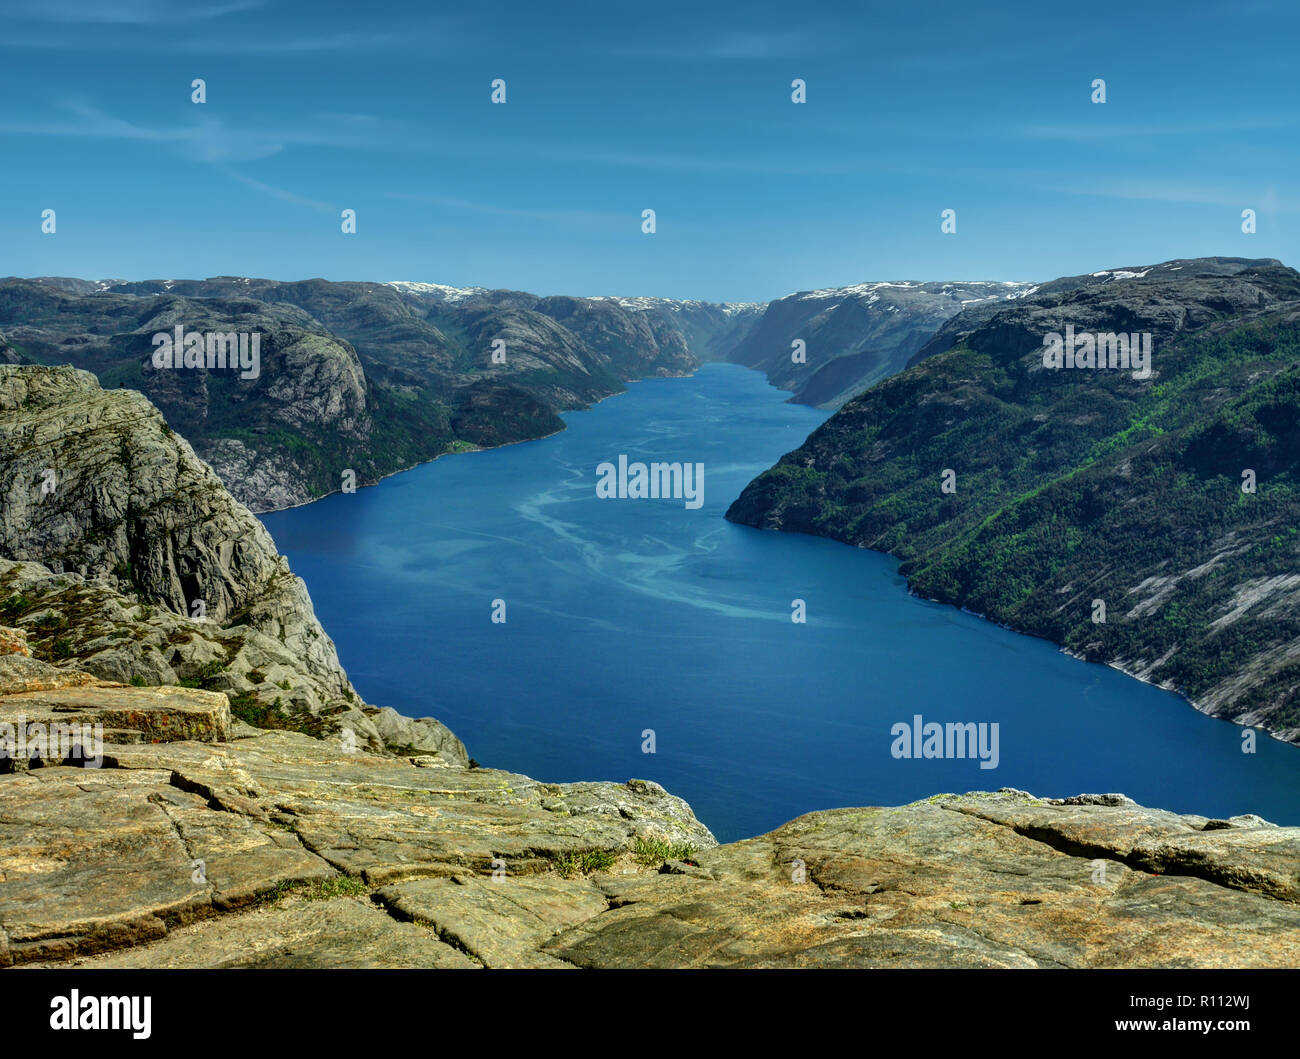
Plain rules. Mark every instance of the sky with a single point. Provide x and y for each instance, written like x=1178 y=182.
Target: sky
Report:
x=614 y=108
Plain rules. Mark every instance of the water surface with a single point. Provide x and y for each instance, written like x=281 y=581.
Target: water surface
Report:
x=628 y=615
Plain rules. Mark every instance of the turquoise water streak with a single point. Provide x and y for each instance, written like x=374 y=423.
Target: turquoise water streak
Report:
x=626 y=615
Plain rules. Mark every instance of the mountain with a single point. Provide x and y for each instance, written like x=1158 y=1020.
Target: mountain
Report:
x=978 y=313
x=369 y=378
x=1110 y=513
x=856 y=336
x=373 y=378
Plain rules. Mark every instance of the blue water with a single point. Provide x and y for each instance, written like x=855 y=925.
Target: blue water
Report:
x=626 y=615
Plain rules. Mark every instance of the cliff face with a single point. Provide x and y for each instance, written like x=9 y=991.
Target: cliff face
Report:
x=856 y=336
x=1147 y=522
x=121 y=550
x=95 y=482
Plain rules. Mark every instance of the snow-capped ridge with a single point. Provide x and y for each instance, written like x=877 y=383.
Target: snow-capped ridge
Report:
x=446 y=293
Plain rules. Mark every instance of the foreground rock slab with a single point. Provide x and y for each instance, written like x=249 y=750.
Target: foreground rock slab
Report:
x=345 y=932
x=41 y=696
x=501 y=922
x=190 y=825
x=953 y=882
x=202 y=842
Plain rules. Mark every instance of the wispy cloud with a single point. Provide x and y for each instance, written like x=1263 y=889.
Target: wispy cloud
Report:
x=127 y=28
x=787 y=42
x=278 y=193
x=207 y=141
x=211 y=139
x=125 y=12
x=350 y=40
x=1266 y=200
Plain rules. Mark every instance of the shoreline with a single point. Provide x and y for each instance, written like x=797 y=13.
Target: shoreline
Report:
x=1115 y=664
x=259 y=512
x=1278 y=735
x=582 y=772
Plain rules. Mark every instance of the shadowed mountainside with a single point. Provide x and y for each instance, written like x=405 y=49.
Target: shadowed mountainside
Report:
x=1078 y=494
x=370 y=378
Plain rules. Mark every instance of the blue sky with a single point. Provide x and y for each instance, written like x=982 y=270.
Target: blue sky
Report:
x=612 y=108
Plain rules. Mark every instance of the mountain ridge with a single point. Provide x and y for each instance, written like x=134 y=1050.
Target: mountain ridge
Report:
x=376 y=377
x=1192 y=573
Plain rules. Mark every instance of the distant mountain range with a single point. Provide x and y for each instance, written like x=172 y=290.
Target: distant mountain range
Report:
x=367 y=377
x=373 y=378
x=1152 y=523
x=856 y=336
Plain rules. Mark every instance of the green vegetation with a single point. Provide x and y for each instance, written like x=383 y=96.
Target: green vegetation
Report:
x=320 y=890
x=15 y=606
x=206 y=678
x=585 y=862
x=653 y=852
x=50 y=622
x=1074 y=486
x=246 y=706
x=336 y=886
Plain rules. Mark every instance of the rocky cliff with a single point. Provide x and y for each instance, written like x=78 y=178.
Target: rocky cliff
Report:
x=121 y=551
x=855 y=336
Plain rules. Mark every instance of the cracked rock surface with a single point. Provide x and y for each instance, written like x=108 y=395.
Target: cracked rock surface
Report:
x=221 y=845
x=216 y=844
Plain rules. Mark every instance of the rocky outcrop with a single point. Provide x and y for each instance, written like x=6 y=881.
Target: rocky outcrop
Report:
x=95 y=481
x=192 y=818
x=40 y=694
x=977 y=880
x=200 y=848
x=122 y=553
